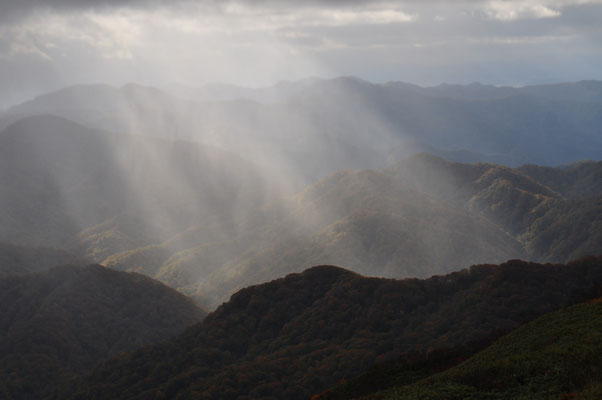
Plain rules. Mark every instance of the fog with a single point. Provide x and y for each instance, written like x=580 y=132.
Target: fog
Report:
x=119 y=143
x=210 y=196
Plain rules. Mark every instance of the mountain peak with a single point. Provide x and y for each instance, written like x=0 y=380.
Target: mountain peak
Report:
x=328 y=271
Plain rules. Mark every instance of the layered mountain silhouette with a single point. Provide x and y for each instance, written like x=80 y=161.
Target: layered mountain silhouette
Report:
x=62 y=321
x=298 y=335
x=208 y=222
x=213 y=189
x=420 y=217
x=546 y=124
x=59 y=178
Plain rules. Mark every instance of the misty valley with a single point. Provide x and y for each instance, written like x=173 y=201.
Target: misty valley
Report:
x=314 y=239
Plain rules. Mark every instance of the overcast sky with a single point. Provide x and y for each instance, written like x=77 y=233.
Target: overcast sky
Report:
x=46 y=44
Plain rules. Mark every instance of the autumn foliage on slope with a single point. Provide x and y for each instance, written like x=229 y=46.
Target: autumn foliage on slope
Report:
x=296 y=336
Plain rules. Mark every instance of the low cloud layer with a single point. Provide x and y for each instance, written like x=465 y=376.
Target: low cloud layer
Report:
x=48 y=44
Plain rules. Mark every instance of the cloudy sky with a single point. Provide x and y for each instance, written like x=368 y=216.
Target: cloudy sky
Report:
x=46 y=44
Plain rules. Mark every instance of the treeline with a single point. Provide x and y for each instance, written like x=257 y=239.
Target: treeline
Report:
x=296 y=336
x=557 y=356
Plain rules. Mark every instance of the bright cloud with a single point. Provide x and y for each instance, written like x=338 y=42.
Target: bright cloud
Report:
x=510 y=11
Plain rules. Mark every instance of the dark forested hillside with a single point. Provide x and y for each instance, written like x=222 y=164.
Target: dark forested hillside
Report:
x=557 y=356
x=296 y=336
x=65 y=320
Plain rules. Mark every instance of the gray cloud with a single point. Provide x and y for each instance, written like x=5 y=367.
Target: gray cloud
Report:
x=46 y=44
x=24 y=6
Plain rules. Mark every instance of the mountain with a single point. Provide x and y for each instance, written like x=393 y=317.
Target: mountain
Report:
x=208 y=222
x=474 y=91
x=63 y=321
x=554 y=220
x=17 y=260
x=107 y=108
x=527 y=127
x=419 y=217
x=298 y=335
x=278 y=136
x=281 y=91
x=346 y=122
x=59 y=178
x=556 y=356
x=576 y=181
x=363 y=220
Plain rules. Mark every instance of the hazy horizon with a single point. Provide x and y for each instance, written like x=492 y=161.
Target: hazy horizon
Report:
x=48 y=45
x=167 y=86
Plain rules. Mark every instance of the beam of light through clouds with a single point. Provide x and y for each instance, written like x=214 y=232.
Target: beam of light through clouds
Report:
x=48 y=44
x=177 y=197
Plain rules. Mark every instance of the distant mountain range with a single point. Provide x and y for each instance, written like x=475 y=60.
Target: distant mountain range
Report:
x=294 y=337
x=349 y=123
x=420 y=217
x=208 y=222
x=210 y=190
x=58 y=178
x=65 y=320
x=577 y=91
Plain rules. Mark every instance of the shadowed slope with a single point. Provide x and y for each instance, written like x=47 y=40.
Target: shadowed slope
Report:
x=557 y=356
x=60 y=322
x=298 y=335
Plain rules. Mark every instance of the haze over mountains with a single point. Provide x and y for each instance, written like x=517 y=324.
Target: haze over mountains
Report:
x=312 y=118
x=209 y=196
x=270 y=200
x=59 y=177
x=211 y=190
x=20 y=259
x=207 y=222
x=397 y=222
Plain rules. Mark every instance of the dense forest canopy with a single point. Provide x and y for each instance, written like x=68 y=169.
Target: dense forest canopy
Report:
x=62 y=321
x=556 y=356
x=298 y=335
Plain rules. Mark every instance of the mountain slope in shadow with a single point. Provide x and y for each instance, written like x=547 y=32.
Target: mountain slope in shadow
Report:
x=298 y=335
x=63 y=321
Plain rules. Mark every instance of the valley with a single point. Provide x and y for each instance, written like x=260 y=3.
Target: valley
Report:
x=144 y=260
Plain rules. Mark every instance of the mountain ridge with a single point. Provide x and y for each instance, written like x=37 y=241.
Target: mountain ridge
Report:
x=554 y=356
x=406 y=119
x=295 y=336
x=362 y=220
x=65 y=320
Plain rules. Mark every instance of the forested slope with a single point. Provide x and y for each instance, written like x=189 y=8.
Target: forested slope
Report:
x=296 y=336
x=63 y=321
